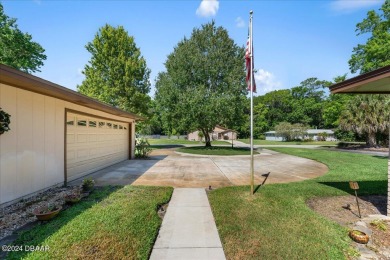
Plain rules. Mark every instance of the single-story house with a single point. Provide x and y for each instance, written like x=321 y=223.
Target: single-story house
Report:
x=374 y=82
x=56 y=135
x=313 y=134
x=219 y=133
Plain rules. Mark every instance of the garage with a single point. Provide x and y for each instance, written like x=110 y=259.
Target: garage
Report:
x=93 y=143
x=56 y=135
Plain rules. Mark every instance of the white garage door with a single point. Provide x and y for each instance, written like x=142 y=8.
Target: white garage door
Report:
x=94 y=143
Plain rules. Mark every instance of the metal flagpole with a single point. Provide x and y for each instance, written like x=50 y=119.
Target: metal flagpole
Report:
x=251 y=90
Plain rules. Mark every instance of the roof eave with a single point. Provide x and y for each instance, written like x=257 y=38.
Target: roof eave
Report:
x=22 y=80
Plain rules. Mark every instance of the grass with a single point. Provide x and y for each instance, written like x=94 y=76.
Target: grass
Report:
x=275 y=223
x=182 y=142
x=215 y=150
x=112 y=223
x=267 y=142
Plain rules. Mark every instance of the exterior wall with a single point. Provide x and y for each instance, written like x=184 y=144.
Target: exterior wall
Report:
x=230 y=135
x=193 y=136
x=32 y=152
x=388 y=182
x=274 y=138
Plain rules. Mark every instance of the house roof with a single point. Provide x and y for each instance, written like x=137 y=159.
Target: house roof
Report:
x=225 y=130
x=374 y=82
x=318 y=131
x=22 y=80
x=310 y=131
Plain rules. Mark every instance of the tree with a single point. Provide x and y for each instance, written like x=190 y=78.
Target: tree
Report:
x=376 y=52
x=117 y=73
x=290 y=132
x=307 y=102
x=204 y=83
x=334 y=105
x=367 y=115
x=18 y=50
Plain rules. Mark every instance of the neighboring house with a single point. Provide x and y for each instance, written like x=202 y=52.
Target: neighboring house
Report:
x=219 y=133
x=312 y=134
x=57 y=135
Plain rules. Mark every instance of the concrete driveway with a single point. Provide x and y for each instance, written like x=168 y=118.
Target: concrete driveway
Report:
x=168 y=168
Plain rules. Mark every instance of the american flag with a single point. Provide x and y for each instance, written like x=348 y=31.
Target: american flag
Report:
x=249 y=70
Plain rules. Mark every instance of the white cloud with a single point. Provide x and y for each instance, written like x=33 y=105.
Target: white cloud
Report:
x=239 y=22
x=208 y=8
x=348 y=6
x=266 y=82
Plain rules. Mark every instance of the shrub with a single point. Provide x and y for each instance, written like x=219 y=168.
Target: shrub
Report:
x=4 y=121
x=142 y=148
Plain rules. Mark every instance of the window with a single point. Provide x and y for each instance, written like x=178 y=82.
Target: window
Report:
x=92 y=123
x=70 y=120
x=115 y=126
x=120 y=127
x=109 y=125
x=102 y=124
x=81 y=122
x=124 y=127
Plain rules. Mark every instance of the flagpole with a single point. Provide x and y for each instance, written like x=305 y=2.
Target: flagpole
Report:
x=251 y=90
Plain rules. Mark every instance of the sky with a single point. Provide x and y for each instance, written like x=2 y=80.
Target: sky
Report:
x=293 y=40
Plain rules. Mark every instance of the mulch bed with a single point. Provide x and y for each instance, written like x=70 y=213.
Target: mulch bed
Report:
x=343 y=210
x=20 y=213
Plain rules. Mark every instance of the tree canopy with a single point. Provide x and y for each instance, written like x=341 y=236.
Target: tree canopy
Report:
x=204 y=83
x=117 y=73
x=375 y=53
x=18 y=50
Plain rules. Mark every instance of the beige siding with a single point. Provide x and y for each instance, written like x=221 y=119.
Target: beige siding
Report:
x=194 y=136
x=32 y=152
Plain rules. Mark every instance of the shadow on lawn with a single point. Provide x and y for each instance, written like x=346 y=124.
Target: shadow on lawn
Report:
x=365 y=188
x=266 y=175
x=41 y=230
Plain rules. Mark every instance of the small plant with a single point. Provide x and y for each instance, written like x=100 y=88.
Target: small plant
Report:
x=88 y=184
x=4 y=121
x=142 y=148
x=49 y=208
x=380 y=224
x=73 y=197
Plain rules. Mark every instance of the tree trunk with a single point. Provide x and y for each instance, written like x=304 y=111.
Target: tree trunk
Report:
x=206 y=137
x=371 y=139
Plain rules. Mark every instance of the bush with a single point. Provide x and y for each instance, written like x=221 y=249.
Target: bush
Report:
x=142 y=148
x=4 y=121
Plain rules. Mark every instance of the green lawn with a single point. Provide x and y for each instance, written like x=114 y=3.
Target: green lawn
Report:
x=266 y=142
x=275 y=223
x=215 y=150
x=112 y=223
x=181 y=142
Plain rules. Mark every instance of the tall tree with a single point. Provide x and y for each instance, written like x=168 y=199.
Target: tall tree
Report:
x=376 y=52
x=204 y=82
x=117 y=73
x=18 y=50
x=367 y=115
x=307 y=102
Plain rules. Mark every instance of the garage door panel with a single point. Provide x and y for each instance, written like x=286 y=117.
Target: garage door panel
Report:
x=93 y=144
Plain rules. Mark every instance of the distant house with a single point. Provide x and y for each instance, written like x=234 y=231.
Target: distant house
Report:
x=219 y=133
x=313 y=134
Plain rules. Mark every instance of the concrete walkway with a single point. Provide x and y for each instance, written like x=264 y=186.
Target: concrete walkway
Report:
x=188 y=230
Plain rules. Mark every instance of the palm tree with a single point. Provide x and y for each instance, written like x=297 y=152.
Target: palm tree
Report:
x=367 y=115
